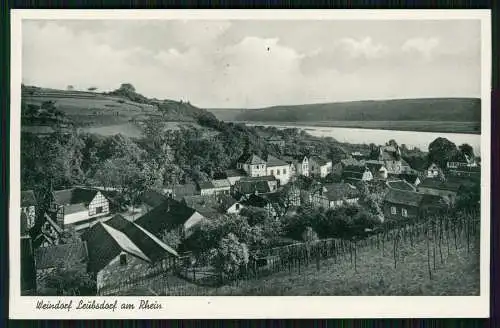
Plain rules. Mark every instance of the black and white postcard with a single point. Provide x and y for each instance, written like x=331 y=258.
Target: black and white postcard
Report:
x=257 y=164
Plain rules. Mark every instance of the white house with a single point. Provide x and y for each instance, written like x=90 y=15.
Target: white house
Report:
x=252 y=164
x=278 y=168
x=433 y=171
x=320 y=166
x=303 y=166
x=77 y=205
x=234 y=176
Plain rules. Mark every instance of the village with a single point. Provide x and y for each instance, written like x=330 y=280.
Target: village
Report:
x=85 y=231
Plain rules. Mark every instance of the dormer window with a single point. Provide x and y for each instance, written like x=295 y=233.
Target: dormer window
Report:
x=123 y=259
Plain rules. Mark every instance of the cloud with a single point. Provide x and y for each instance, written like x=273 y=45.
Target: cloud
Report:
x=196 y=61
x=365 y=47
x=424 y=46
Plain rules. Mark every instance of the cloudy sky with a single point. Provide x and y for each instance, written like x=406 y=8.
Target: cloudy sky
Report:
x=257 y=63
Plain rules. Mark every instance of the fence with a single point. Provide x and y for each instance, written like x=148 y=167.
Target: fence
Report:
x=442 y=235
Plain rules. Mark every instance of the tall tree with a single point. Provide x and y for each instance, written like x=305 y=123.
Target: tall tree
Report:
x=440 y=151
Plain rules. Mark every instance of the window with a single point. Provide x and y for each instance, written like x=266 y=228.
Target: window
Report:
x=278 y=172
x=123 y=259
x=237 y=206
x=272 y=172
x=393 y=210
x=404 y=212
x=98 y=210
x=284 y=171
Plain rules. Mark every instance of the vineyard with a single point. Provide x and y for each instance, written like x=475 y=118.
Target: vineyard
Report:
x=437 y=257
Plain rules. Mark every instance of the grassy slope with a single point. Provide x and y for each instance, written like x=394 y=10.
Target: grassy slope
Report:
x=440 y=115
x=108 y=115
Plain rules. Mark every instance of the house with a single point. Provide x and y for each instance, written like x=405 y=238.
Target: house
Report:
x=377 y=168
x=252 y=164
x=413 y=177
x=334 y=195
x=292 y=165
x=171 y=215
x=123 y=251
x=177 y=191
x=207 y=205
x=221 y=186
x=391 y=157
x=28 y=271
x=446 y=188
x=292 y=196
x=28 y=208
x=355 y=174
x=278 y=141
x=302 y=167
x=402 y=204
x=50 y=233
x=460 y=159
x=72 y=256
x=320 y=166
x=151 y=199
x=214 y=187
x=257 y=185
x=434 y=171
x=357 y=155
x=401 y=185
x=79 y=205
x=233 y=175
x=278 y=168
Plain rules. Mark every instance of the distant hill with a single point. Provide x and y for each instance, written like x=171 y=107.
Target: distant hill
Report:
x=104 y=113
x=438 y=110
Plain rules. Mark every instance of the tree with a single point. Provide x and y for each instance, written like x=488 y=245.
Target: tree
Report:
x=230 y=256
x=92 y=89
x=70 y=88
x=255 y=215
x=172 y=238
x=70 y=282
x=127 y=87
x=440 y=151
x=467 y=149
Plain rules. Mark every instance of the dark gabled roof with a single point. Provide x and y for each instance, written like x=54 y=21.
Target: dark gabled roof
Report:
x=400 y=185
x=289 y=159
x=74 y=196
x=28 y=198
x=104 y=243
x=66 y=254
x=249 y=187
x=167 y=216
x=274 y=161
x=153 y=247
x=227 y=201
x=251 y=159
x=206 y=185
x=374 y=164
x=231 y=173
x=153 y=198
x=403 y=197
x=338 y=191
x=320 y=160
x=448 y=184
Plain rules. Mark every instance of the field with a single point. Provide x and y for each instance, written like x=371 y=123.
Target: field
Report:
x=108 y=115
x=419 y=126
